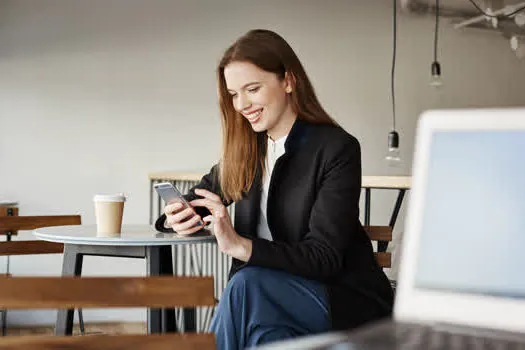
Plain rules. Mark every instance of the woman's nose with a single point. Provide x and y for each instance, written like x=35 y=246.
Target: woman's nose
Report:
x=243 y=102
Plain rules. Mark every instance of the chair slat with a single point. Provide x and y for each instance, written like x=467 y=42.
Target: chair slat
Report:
x=190 y=341
x=8 y=223
x=30 y=247
x=379 y=233
x=3 y=212
x=384 y=259
x=97 y=292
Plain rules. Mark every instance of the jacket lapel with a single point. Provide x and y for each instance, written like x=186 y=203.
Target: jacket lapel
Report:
x=247 y=210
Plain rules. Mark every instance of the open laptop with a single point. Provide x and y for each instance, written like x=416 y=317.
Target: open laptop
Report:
x=462 y=273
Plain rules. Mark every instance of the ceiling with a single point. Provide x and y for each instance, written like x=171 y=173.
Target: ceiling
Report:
x=465 y=5
x=458 y=11
x=462 y=6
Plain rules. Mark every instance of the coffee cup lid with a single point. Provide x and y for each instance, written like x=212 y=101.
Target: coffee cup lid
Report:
x=109 y=198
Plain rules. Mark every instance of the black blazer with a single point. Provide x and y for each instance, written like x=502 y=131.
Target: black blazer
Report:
x=313 y=215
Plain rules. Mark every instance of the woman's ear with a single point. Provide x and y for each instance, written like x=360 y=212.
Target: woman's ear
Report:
x=289 y=79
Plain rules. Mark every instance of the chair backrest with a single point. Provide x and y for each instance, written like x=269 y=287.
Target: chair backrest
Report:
x=15 y=223
x=381 y=234
x=97 y=292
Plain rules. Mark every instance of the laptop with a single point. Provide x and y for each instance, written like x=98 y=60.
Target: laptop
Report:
x=462 y=274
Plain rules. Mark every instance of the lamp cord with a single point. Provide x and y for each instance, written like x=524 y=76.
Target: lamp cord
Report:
x=436 y=32
x=393 y=71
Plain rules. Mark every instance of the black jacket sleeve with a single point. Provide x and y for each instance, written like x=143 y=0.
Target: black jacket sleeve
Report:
x=333 y=223
x=208 y=182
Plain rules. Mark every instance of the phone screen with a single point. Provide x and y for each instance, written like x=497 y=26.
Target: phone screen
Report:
x=169 y=193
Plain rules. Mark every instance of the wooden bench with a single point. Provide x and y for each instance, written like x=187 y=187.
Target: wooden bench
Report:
x=97 y=292
x=10 y=225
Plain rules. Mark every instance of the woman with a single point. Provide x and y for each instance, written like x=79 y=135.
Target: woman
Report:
x=302 y=263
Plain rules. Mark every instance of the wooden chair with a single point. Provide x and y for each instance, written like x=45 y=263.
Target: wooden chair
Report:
x=14 y=224
x=10 y=225
x=97 y=292
x=381 y=234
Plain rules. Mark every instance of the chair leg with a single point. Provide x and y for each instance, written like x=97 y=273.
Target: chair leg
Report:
x=4 y=322
x=207 y=318
x=81 y=322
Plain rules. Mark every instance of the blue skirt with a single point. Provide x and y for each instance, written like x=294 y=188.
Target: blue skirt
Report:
x=262 y=305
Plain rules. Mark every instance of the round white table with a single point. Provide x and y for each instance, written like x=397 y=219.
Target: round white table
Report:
x=135 y=241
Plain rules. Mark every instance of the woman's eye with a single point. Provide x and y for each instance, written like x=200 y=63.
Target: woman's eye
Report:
x=233 y=96
x=254 y=89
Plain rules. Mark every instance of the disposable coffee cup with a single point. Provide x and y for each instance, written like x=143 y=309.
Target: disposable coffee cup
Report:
x=108 y=211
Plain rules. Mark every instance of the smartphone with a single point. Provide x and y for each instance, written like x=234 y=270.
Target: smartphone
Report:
x=169 y=193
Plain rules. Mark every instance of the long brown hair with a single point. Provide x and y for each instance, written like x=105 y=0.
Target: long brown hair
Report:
x=243 y=152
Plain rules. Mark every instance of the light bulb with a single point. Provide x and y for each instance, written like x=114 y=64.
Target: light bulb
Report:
x=393 y=158
x=520 y=19
x=435 y=79
x=518 y=46
x=491 y=17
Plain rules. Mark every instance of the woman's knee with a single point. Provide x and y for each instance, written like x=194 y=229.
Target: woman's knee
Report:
x=248 y=274
x=256 y=274
x=248 y=280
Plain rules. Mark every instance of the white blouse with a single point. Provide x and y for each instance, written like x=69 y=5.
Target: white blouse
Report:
x=274 y=151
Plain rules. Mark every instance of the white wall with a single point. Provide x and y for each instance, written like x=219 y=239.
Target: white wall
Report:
x=94 y=95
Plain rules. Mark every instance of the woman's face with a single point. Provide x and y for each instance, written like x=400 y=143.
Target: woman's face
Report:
x=261 y=97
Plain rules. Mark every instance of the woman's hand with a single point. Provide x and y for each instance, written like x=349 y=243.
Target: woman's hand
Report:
x=228 y=239
x=183 y=221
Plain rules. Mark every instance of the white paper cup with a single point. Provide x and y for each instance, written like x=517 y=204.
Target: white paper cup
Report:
x=108 y=212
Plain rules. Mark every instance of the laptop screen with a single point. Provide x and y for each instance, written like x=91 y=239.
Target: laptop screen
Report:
x=472 y=237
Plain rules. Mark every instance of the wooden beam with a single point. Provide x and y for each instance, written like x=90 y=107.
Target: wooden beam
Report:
x=189 y=341
x=13 y=223
x=379 y=233
x=98 y=292
x=30 y=247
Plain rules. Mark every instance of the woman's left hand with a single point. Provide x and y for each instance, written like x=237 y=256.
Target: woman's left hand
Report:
x=228 y=239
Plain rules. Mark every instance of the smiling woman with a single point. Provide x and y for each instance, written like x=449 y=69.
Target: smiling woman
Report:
x=261 y=78
x=254 y=90
x=302 y=262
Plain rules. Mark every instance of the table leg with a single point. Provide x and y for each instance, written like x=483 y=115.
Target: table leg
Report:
x=10 y=212
x=397 y=207
x=368 y=199
x=151 y=202
x=71 y=266
x=159 y=262
x=383 y=245
x=189 y=315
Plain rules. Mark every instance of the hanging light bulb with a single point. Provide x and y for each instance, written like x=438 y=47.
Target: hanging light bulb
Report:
x=393 y=158
x=492 y=18
x=435 y=68
x=518 y=46
x=435 y=79
x=520 y=19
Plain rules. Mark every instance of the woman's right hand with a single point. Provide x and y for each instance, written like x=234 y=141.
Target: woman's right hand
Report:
x=183 y=221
